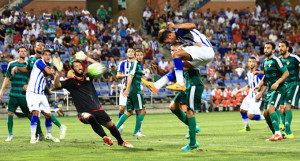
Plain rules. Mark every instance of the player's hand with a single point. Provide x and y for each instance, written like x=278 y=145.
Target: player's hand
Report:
x=14 y=70
x=258 y=96
x=274 y=86
x=255 y=72
x=24 y=88
x=154 y=67
x=199 y=44
x=126 y=93
x=256 y=89
x=1 y=95
x=171 y=24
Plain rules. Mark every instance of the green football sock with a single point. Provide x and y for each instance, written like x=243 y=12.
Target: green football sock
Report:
x=278 y=116
x=192 y=130
x=39 y=128
x=282 y=116
x=288 y=121
x=55 y=121
x=269 y=122
x=181 y=115
x=274 y=119
x=10 y=123
x=138 y=123
x=122 y=119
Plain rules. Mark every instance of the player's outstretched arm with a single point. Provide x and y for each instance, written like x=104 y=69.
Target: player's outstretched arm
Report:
x=22 y=69
x=121 y=76
x=57 y=83
x=186 y=26
x=258 y=96
x=4 y=85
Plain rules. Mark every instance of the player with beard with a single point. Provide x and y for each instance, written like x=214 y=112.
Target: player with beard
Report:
x=252 y=101
x=39 y=46
x=291 y=98
x=275 y=75
x=87 y=103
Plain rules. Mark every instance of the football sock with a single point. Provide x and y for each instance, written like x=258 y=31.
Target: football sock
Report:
x=288 y=121
x=278 y=116
x=138 y=123
x=258 y=117
x=282 y=116
x=165 y=80
x=120 y=114
x=192 y=130
x=10 y=123
x=275 y=123
x=96 y=126
x=181 y=115
x=39 y=128
x=245 y=118
x=55 y=121
x=48 y=123
x=115 y=132
x=33 y=124
x=122 y=119
x=178 y=70
x=269 y=122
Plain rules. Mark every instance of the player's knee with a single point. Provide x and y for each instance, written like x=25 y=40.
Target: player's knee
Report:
x=172 y=107
x=266 y=114
x=143 y=112
x=10 y=113
x=85 y=117
x=250 y=116
x=47 y=115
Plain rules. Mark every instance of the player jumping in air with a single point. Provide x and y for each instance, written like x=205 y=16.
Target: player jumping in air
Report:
x=252 y=101
x=87 y=103
x=135 y=100
x=275 y=75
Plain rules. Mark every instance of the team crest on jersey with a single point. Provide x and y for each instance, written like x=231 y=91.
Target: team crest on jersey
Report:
x=287 y=62
x=270 y=65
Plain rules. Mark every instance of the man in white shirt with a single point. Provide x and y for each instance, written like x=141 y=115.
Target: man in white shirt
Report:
x=85 y=13
x=236 y=25
x=27 y=31
x=229 y=13
x=35 y=31
x=162 y=65
x=124 y=18
x=46 y=15
x=82 y=26
x=221 y=19
x=240 y=71
x=146 y=14
x=130 y=29
x=273 y=36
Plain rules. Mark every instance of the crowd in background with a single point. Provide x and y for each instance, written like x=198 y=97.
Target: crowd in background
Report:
x=235 y=35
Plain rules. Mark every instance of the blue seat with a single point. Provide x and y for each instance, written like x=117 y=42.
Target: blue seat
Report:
x=227 y=82
x=51 y=23
x=234 y=81
x=4 y=67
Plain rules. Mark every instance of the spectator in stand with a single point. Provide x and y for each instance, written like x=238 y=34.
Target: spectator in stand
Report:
x=283 y=11
x=240 y=72
x=162 y=65
x=155 y=28
x=137 y=37
x=106 y=76
x=67 y=41
x=123 y=18
x=154 y=44
x=216 y=96
x=58 y=13
x=170 y=65
x=130 y=29
x=233 y=60
x=8 y=40
x=17 y=37
x=237 y=37
x=148 y=53
x=15 y=52
x=273 y=36
x=211 y=73
x=69 y=13
x=208 y=99
x=113 y=72
x=223 y=49
x=122 y=32
x=101 y=13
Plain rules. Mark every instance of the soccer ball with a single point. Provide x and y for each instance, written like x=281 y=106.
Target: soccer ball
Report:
x=96 y=70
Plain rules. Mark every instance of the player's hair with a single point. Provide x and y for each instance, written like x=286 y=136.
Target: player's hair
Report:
x=252 y=57
x=46 y=50
x=40 y=41
x=285 y=42
x=163 y=35
x=137 y=51
x=21 y=47
x=272 y=44
x=74 y=61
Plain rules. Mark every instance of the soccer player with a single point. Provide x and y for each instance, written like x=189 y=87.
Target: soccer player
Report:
x=17 y=94
x=135 y=100
x=198 y=52
x=275 y=75
x=291 y=98
x=87 y=103
x=123 y=73
x=252 y=101
x=39 y=46
x=35 y=95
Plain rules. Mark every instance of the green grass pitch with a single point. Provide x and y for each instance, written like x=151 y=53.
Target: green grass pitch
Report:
x=219 y=139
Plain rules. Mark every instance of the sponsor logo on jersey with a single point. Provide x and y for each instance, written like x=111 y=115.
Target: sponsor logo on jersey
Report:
x=287 y=62
x=270 y=65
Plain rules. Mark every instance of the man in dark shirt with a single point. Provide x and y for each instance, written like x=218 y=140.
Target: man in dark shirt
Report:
x=6 y=12
x=2 y=33
x=115 y=52
x=87 y=103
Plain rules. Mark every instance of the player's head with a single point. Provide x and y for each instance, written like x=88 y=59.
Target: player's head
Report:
x=269 y=48
x=283 y=47
x=166 y=36
x=139 y=55
x=130 y=53
x=252 y=62
x=39 y=46
x=22 y=52
x=77 y=68
x=175 y=47
x=46 y=55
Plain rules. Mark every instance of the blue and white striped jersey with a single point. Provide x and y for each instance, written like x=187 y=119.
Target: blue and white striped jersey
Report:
x=124 y=67
x=253 y=81
x=37 y=82
x=191 y=37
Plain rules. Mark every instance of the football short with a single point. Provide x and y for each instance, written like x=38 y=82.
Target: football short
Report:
x=200 y=55
x=122 y=99
x=190 y=97
x=135 y=101
x=274 y=98
x=56 y=109
x=14 y=102
x=100 y=115
x=292 y=95
x=251 y=105
x=37 y=102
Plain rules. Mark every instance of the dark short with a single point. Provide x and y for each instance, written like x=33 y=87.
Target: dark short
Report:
x=100 y=115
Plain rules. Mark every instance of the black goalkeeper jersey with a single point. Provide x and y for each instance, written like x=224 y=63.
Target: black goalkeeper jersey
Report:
x=83 y=93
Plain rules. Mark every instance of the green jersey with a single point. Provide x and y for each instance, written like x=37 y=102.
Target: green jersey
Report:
x=136 y=70
x=292 y=63
x=18 y=80
x=273 y=69
x=192 y=78
x=31 y=62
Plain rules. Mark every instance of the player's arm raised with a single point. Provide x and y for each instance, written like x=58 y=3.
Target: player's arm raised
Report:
x=186 y=26
x=57 y=83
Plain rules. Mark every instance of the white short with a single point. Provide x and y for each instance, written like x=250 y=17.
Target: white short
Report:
x=56 y=109
x=201 y=55
x=122 y=99
x=251 y=105
x=37 y=102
